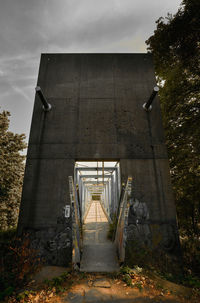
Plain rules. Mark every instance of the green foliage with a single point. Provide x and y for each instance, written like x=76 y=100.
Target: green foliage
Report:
x=6 y=292
x=176 y=49
x=57 y=282
x=126 y=273
x=18 y=262
x=176 y=40
x=132 y=276
x=152 y=259
x=126 y=270
x=82 y=275
x=11 y=173
x=191 y=255
x=192 y=281
x=7 y=235
x=24 y=294
x=127 y=279
x=139 y=286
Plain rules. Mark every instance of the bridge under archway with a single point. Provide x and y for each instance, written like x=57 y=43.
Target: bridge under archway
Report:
x=96 y=115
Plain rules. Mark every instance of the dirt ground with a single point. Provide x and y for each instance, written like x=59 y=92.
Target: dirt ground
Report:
x=104 y=289
x=108 y=288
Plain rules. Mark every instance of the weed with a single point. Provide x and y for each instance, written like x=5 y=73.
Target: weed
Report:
x=23 y=295
x=82 y=275
x=139 y=286
x=57 y=282
x=127 y=279
x=126 y=270
x=192 y=281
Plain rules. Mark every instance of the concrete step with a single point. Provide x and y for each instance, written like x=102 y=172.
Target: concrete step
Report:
x=99 y=258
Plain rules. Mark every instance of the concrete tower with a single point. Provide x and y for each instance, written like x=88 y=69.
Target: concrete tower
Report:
x=96 y=113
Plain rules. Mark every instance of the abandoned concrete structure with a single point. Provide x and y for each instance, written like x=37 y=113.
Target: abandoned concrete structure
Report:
x=96 y=114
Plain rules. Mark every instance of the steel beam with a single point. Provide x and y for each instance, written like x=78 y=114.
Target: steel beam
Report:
x=96 y=176
x=95 y=168
x=94 y=182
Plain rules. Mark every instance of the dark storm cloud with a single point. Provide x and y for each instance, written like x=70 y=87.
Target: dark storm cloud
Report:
x=31 y=27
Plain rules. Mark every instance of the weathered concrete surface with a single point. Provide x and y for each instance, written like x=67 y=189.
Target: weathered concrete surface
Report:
x=48 y=273
x=156 y=225
x=96 y=114
x=99 y=254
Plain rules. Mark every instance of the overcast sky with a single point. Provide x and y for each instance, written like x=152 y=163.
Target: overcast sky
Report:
x=31 y=27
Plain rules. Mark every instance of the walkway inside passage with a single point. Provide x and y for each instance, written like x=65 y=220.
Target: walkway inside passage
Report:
x=99 y=253
x=98 y=197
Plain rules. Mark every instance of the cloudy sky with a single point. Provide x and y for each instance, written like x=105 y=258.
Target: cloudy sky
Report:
x=31 y=27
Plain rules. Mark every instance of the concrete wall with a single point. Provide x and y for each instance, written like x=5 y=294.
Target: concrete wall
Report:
x=96 y=114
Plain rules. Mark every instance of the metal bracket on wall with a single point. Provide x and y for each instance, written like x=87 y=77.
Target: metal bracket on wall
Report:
x=148 y=105
x=46 y=105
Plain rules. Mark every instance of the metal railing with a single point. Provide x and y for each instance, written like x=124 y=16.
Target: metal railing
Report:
x=121 y=230
x=76 y=224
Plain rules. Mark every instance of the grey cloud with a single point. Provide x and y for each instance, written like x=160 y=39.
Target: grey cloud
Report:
x=104 y=29
x=30 y=27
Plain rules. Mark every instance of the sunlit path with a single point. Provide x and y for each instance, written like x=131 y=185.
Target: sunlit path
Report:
x=95 y=213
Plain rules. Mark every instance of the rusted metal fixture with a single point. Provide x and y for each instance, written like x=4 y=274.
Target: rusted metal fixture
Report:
x=148 y=105
x=46 y=105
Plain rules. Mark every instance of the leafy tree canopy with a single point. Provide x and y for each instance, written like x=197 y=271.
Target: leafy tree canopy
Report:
x=176 y=49
x=11 y=172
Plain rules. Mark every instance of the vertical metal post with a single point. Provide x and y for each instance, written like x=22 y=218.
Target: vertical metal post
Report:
x=112 y=196
x=117 y=185
x=103 y=171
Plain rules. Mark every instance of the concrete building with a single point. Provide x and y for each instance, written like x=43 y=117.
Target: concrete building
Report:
x=96 y=114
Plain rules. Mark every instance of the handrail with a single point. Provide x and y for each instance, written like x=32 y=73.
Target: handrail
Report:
x=76 y=224
x=120 y=236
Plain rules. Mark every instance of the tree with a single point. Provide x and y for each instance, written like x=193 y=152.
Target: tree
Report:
x=11 y=173
x=176 y=49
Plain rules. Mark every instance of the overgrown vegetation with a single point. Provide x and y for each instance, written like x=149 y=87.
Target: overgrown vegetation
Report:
x=180 y=270
x=11 y=173
x=154 y=260
x=57 y=282
x=18 y=262
x=45 y=291
x=175 y=46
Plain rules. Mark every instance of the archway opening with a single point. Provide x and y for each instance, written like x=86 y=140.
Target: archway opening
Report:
x=98 y=187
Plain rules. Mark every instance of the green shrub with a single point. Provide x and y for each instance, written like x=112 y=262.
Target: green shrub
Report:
x=18 y=261
x=7 y=235
x=57 y=282
x=191 y=254
x=127 y=279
